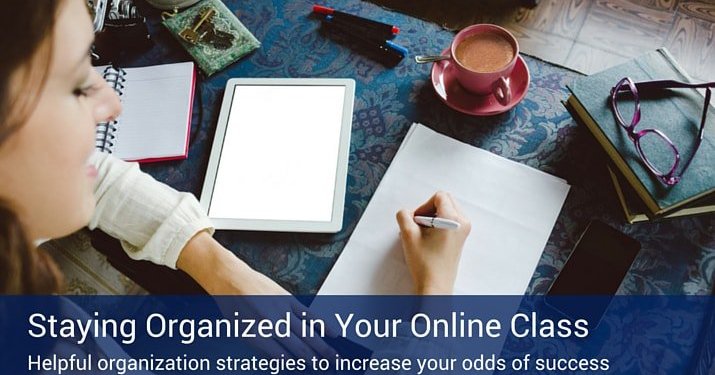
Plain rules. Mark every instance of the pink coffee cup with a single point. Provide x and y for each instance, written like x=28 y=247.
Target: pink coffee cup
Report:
x=479 y=81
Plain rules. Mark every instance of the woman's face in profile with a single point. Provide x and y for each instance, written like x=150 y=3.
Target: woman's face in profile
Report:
x=45 y=164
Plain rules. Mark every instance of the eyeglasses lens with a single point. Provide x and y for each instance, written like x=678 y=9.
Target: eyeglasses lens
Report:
x=625 y=105
x=657 y=152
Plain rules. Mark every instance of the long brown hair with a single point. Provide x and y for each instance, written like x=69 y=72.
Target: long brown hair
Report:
x=28 y=32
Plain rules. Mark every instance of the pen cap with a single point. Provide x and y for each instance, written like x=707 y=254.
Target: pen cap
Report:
x=402 y=50
x=322 y=10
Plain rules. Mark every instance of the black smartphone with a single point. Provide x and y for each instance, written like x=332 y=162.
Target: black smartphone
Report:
x=596 y=267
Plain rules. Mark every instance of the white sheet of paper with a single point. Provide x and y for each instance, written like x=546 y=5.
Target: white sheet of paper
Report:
x=512 y=207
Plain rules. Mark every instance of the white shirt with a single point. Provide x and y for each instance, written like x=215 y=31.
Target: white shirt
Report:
x=152 y=220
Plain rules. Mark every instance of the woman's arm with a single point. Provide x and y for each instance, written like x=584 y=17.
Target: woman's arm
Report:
x=220 y=272
x=157 y=223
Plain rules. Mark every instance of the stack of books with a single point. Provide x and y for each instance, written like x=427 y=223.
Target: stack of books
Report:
x=675 y=112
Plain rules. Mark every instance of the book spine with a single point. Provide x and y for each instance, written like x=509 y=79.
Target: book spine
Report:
x=615 y=156
x=630 y=217
x=105 y=139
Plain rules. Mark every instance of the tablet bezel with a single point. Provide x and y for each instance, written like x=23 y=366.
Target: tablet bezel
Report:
x=336 y=222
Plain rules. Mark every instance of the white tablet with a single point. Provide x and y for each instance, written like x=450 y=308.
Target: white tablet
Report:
x=279 y=159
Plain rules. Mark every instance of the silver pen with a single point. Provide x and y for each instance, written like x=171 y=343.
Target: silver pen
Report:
x=436 y=222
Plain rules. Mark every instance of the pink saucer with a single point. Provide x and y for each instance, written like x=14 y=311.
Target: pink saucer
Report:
x=456 y=97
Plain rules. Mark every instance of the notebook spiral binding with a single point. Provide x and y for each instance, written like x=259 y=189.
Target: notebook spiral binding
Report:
x=105 y=137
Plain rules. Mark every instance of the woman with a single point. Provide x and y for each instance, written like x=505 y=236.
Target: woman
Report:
x=54 y=183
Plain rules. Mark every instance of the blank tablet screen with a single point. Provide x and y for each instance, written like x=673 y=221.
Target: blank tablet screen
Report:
x=280 y=154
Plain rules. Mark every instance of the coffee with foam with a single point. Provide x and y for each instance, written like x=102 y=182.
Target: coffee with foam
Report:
x=485 y=52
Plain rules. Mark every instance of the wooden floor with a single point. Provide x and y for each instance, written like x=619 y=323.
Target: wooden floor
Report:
x=589 y=35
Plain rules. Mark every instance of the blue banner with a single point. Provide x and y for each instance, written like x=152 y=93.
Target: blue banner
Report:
x=378 y=334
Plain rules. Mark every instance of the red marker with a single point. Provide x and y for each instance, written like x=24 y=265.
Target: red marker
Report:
x=388 y=31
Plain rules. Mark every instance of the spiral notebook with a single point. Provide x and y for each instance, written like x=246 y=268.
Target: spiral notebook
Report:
x=156 y=112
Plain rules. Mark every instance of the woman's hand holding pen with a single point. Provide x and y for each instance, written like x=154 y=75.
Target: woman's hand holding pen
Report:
x=432 y=254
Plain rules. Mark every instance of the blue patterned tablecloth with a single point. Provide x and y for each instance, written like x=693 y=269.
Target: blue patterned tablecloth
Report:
x=678 y=256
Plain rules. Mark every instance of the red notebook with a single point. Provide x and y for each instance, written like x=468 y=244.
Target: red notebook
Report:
x=156 y=112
